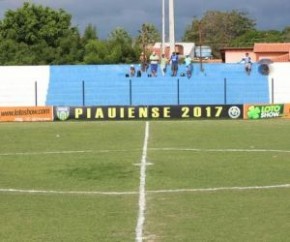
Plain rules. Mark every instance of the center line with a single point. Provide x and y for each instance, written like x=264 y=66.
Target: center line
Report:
x=142 y=192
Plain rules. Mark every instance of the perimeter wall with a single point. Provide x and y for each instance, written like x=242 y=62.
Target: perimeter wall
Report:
x=105 y=85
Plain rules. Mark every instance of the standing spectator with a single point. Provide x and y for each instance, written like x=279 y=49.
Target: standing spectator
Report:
x=154 y=59
x=143 y=61
x=174 y=63
x=163 y=64
x=248 y=63
x=188 y=65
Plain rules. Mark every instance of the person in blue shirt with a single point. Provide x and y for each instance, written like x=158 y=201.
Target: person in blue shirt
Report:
x=174 y=63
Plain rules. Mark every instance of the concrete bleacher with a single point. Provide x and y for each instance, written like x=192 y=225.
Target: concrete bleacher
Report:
x=107 y=85
x=88 y=85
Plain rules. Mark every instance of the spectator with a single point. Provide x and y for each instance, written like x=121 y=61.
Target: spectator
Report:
x=132 y=70
x=163 y=64
x=174 y=63
x=248 y=63
x=154 y=59
x=188 y=65
x=143 y=61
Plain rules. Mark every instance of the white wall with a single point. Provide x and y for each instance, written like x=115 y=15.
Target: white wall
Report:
x=280 y=73
x=17 y=85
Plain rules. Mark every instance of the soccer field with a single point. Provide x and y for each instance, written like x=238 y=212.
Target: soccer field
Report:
x=145 y=181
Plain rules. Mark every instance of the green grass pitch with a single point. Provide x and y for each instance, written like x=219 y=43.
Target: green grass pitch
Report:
x=205 y=181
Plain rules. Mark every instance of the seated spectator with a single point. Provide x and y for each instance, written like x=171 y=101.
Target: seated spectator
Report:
x=248 y=63
x=132 y=70
x=139 y=73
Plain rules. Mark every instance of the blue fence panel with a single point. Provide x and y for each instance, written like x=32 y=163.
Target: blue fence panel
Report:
x=201 y=90
x=243 y=88
x=154 y=91
x=110 y=91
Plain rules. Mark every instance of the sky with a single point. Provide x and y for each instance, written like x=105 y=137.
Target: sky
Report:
x=107 y=15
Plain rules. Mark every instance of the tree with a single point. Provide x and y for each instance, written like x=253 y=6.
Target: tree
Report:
x=13 y=53
x=254 y=36
x=44 y=32
x=121 y=46
x=218 y=29
x=286 y=34
x=90 y=33
x=96 y=52
x=148 y=35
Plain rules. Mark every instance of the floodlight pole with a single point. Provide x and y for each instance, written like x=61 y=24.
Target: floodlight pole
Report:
x=163 y=27
x=171 y=26
x=200 y=45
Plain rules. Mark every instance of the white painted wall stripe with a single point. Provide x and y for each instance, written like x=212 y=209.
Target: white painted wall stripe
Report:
x=142 y=186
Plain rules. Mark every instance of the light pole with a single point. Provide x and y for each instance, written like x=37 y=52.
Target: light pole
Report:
x=171 y=26
x=163 y=27
x=200 y=44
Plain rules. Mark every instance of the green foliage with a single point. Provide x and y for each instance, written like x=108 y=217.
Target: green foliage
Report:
x=90 y=33
x=286 y=34
x=249 y=38
x=34 y=35
x=148 y=35
x=31 y=24
x=11 y=53
x=218 y=29
x=118 y=48
x=95 y=52
x=121 y=45
x=44 y=33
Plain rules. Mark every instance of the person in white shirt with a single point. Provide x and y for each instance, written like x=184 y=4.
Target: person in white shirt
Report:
x=248 y=63
x=188 y=65
x=163 y=64
x=154 y=59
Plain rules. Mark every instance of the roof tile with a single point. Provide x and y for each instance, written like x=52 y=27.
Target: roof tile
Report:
x=272 y=47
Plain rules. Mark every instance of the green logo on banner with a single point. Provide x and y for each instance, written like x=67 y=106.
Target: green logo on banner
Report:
x=62 y=113
x=265 y=111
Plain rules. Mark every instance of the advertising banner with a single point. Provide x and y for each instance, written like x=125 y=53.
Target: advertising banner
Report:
x=97 y=113
x=287 y=111
x=263 y=111
x=22 y=114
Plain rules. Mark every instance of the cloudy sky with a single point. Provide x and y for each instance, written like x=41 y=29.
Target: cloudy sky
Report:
x=107 y=15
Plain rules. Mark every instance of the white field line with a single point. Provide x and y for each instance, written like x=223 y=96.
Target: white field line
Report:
x=10 y=190
x=136 y=150
x=63 y=152
x=219 y=150
x=193 y=190
x=216 y=189
x=142 y=191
